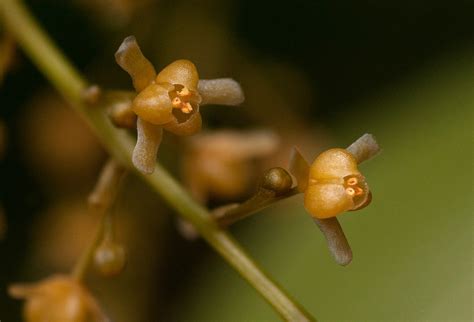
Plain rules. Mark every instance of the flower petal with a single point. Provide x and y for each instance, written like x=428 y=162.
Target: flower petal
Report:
x=148 y=141
x=181 y=72
x=333 y=164
x=336 y=240
x=130 y=58
x=364 y=202
x=364 y=148
x=153 y=105
x=327 y=200
x=222 y=91
x=189 y=127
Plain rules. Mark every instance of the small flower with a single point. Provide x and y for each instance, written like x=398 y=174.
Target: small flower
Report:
x=169 y=100
x=332 y=184
x=218 y=164
x=335 y=185
x=58 y=298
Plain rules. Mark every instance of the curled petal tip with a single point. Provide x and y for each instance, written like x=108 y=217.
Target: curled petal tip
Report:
x=131 y=59
x=124 y=47
x=145 y=151
x=336 y=240
x=364 y=148
x=141 y=166
x=221 y=91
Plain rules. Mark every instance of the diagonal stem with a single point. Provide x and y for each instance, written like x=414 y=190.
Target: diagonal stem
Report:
x=71 y=85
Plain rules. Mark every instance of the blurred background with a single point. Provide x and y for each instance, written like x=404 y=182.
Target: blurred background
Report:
x=318 y=74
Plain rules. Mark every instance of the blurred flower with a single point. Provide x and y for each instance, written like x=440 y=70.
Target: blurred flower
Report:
x=169 y=100
x=58 y=144
x=57 y=299
x=109 y=258
x=115 y=13
x=218 y=163
x=65 y=229
x=62 y=232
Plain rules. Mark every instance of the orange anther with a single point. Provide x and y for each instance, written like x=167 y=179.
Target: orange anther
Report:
x=183 y=92
x=176 y=102
x=350 y=191
x=352 y=181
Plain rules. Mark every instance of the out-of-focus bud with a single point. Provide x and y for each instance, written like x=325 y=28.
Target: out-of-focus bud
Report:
x=62 y=233
x=217 y=164
x=122 y=115
x=57 y=299
x=92 y=94
x=114 y=13
x=277 y=180
x=109 y=258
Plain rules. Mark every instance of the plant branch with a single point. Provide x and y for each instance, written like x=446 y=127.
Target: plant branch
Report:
x=71 y=85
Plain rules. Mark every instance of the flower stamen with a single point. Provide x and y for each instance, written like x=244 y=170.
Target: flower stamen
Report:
x=351 y=191
x=180 y=100
x=352 y=181
x=184 y=92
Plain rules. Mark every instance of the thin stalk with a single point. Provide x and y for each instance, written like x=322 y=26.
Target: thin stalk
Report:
x=255 y=204
x=100 y=201
x=85 y=260
x=71 y=85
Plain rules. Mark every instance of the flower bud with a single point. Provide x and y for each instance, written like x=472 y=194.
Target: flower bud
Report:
x=109 y=258
x=277 y=180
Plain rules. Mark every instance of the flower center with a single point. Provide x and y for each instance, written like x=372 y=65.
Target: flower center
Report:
x=181 y=100
x=352 y=186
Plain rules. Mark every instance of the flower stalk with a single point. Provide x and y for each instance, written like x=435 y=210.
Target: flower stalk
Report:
x=100 y=200
x=274 y=186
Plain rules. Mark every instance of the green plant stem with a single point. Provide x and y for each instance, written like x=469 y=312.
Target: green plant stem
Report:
x=71 y=85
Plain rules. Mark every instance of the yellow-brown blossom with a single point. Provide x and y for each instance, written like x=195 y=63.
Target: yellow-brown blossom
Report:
x=168 y=100
x=58 y=298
